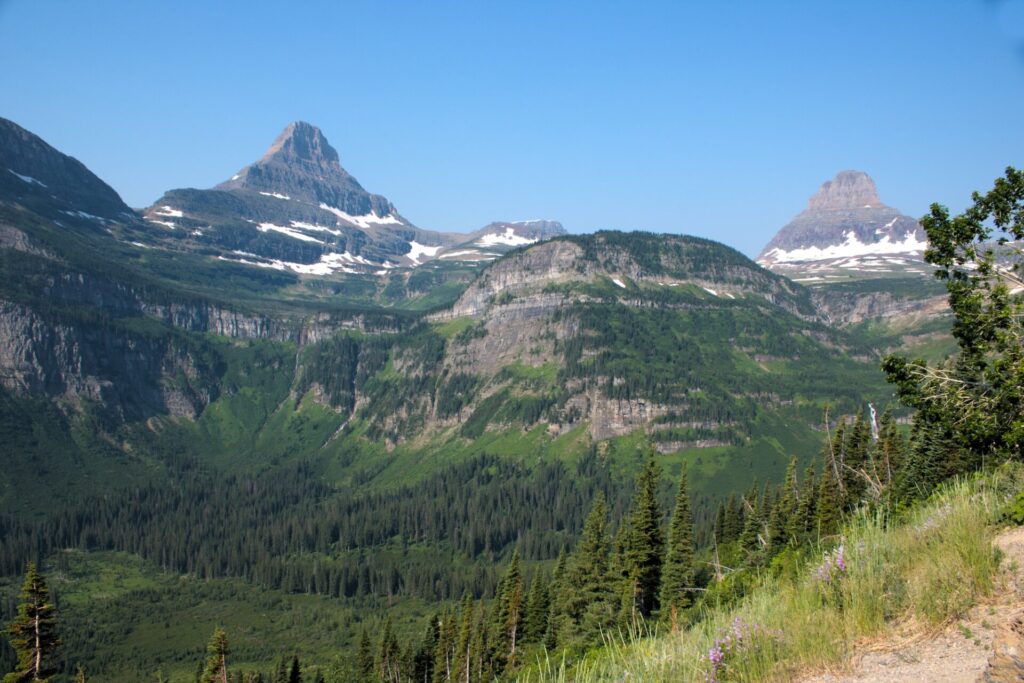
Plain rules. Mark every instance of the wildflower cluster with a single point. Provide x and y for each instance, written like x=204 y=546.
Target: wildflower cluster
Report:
x=739 y=639
x=833 y=565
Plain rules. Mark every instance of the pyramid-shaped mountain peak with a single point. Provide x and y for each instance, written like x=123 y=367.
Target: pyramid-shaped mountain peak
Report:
x=304 y=142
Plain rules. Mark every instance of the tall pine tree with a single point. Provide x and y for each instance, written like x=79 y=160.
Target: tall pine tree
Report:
x=216 y=669
x=587 y=595
x=538 y=604
x=678 y=573
x=34 y=631
x=644 y=543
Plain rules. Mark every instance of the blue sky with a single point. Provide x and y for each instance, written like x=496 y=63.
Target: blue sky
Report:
x=716 y=119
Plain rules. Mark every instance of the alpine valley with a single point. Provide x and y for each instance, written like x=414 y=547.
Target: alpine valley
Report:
x=278 y=406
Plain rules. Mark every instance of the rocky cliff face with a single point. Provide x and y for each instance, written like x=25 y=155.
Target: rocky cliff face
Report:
x=127 y=376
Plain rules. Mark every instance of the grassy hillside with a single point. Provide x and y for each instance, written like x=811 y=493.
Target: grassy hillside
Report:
x=926 y=565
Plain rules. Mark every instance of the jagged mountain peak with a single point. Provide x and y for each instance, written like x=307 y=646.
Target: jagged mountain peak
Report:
x=299 y=161
x=303 y=142
x=848 y=190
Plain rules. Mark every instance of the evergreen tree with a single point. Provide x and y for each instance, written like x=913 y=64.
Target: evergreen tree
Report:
x=364 y=658
x=858 y=464
x=720 y=522
x=788 y=525
x=538 y=606
x=281 y=676
x=808 y=495
x=835 y=460
x=890 y=451
x=482 y=665
x=678 y=574
x=295 y=672
x=389 y=660
x=587 y=586
x=463 y=648
x=80 y=674
x=556 y=612
x=828 y=506
x=444 y=660
x=644 y=543
x=508 y=613
x=733 y=526
x=749 y=538
x=34 y=631
x=216 y=669
x=423 y=660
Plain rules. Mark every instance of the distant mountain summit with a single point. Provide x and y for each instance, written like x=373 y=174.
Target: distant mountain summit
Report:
x=302 y=166
x=847 y=229
x=297 y=209
x=499 y=237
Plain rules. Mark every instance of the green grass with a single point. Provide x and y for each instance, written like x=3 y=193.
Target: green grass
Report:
x=453 y=327
x=923 y=570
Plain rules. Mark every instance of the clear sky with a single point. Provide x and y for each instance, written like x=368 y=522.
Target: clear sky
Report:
x=717 y=119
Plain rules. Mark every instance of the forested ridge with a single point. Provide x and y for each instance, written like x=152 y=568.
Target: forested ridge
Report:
x=521 y=555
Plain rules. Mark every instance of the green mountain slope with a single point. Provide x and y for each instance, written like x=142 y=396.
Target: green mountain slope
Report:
x=373 y=438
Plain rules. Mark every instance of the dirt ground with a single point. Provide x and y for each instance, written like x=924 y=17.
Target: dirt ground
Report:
x=958 y=654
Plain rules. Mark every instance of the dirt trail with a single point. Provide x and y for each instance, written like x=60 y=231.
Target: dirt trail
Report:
x=957 y=655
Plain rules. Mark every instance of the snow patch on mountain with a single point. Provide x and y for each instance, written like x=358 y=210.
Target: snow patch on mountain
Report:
x=291 y=232
x=343 y=262
x=509 y=238
x=365 y=221
x=850 y=247
x=315 y=227
x=416 y=250
x=275 y=195
x=28 y=179
x=169 y=211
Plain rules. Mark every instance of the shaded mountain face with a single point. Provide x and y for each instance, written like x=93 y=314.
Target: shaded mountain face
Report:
x=34 y=173
x=846 y=230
